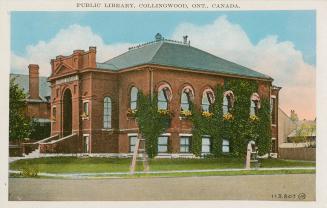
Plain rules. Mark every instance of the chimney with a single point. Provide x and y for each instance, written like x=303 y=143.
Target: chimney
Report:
x=33 y=81
x=185 y=39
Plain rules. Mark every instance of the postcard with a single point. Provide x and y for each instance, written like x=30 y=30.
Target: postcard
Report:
x=163 y=103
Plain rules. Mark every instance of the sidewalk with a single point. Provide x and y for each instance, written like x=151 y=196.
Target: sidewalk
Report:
x=91 y=175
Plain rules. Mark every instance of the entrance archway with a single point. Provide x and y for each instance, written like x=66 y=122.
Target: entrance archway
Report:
x=67 y=113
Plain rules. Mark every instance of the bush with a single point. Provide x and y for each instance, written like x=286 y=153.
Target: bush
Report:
x=29 y=171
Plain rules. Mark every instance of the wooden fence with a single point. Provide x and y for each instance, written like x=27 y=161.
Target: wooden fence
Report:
x=299 y=153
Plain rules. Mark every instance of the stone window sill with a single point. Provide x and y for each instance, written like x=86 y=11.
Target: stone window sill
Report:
x=109 y=130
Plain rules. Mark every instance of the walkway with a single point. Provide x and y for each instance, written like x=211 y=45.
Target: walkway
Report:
x=112 y=174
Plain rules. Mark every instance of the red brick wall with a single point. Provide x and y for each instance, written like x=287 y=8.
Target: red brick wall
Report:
x=94 y=84
x=38 y=110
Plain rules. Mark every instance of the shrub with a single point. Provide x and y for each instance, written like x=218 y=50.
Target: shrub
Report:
x=29 y=171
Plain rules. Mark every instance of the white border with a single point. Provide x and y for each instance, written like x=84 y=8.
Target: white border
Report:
x=69 y=5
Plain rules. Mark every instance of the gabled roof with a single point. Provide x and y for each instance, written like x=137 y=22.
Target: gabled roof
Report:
x=23 y=81
x=179 y=55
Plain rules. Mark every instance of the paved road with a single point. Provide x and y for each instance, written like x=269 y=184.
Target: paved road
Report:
x=251 y=187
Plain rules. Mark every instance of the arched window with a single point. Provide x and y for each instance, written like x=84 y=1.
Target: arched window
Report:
x=255 y=104
x=133 y=101
x=107 y=113
x=164 y=96
x=207 y=100
x=228 y=102
x=187 y=96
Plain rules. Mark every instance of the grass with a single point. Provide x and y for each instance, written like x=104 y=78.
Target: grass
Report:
x=192 y=174
x=101 y=165
x=228 y=173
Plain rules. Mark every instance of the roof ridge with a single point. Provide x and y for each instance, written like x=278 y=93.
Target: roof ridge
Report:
x=130 y=50
x=155 y=53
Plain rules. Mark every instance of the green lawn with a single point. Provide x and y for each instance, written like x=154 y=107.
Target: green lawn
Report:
x=100 y=165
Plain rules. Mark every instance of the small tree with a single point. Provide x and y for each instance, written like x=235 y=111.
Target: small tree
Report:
x=19 y=124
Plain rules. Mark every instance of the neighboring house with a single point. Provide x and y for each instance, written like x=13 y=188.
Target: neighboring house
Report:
x=90 y=101
x=285 y=126
x=38 y=100
x=296 y=138
x=305 y=132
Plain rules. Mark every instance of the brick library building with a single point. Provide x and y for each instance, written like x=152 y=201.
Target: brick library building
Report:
x=89 y=102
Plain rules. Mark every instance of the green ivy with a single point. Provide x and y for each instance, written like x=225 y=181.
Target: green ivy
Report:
x=151 y=123
x=263 y=127
x=240 y=129
x=212 y=126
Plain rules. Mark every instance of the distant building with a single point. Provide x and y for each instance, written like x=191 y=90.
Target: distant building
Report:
x=304 y=132
x=285 y=126
x=38 y=100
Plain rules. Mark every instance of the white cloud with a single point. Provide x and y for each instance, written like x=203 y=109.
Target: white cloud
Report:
x=65 y=41
x=278 y=59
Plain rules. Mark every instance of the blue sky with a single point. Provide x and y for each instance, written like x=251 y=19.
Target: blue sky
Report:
x=281 y=44
x=28 y=28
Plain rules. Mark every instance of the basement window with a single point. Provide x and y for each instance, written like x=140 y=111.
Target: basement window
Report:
x=185 y=144
x=225 y=146
x=132 y=143
x=206 y=145
x=163 y=144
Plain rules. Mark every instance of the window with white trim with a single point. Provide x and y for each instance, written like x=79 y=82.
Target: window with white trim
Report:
x=107 y=113
x=185 y=144
x=163 y=144
x=206 y=145
x=163 y=99
x=207 y=100
x=86 y=108
x=132 y=143
x=185 y=102
x=228 y=102
x=187 y=95
x=225 y=146
x=255 y=104
x=133 y=101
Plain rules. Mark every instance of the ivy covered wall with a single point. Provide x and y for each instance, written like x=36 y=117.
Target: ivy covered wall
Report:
x=237 y=126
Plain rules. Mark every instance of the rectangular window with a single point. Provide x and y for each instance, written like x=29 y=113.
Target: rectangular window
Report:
x=54 y=114
x=273 y=111
x=132 y=143
x=185 y=144
x=86 y=108
x=86 y=143
x=107 y=113
x=225 y=146
x=163 y=144
x=206 y=145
